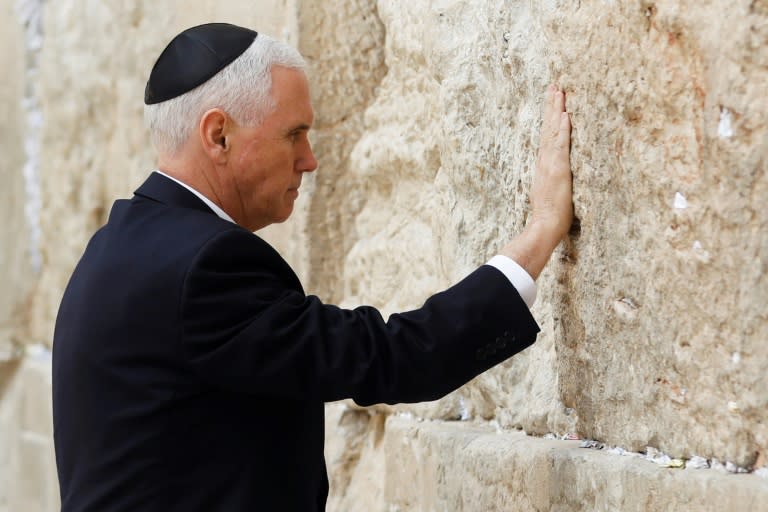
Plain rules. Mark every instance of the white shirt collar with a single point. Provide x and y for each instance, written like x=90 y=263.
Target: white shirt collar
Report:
x=210 y=204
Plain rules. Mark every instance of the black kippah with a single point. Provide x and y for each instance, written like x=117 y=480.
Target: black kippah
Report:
x=193 y=57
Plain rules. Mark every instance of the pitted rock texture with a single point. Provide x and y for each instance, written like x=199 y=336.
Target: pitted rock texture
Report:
x=661 y=311
x=27 y=465
x=437 y=466
x=16 y=272
x=343 y=43
x=653 y=314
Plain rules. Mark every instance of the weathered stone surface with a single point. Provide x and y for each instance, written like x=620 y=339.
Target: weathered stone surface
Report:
x=343 y=42
x=16 y=273
x=665 y=295
x=27 y=469
x=355 y=457
x=662 y=293
x=437 y=466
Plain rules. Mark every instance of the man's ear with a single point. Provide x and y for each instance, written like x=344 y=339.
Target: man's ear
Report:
x=215 y=126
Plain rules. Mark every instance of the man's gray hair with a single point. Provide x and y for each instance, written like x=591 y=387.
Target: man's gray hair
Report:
x=243 y=89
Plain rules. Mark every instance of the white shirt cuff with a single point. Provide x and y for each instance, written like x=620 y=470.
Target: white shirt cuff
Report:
x=520 y=279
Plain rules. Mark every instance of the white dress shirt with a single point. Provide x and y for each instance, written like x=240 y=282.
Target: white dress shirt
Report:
x=520 y=279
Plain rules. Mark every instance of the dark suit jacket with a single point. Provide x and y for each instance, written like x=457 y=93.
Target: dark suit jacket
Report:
x=190 y=369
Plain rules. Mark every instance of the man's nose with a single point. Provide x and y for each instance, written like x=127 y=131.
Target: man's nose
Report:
x=307 y=162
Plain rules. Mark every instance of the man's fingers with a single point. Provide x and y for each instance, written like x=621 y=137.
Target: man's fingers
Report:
x=559 y=101
x=564 y=131
x=556 y=126
x=558 y=107
x=554 y=105
x=549 y=100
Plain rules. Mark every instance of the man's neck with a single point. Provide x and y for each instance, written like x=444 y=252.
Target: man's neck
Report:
x=213 y=206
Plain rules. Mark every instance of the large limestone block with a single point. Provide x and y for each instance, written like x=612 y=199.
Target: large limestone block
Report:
x=661 y=308
x=355 y=458
x=437 y=466
x=653 y=315
x=343 y=42
x=16 y=272
x=95 y=60
x=445 y=162
x=28 y=481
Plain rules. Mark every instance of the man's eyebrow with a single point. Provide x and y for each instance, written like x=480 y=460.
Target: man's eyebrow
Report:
x=301 y=127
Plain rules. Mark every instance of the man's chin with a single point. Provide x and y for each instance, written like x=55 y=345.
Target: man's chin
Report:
x=284 y=217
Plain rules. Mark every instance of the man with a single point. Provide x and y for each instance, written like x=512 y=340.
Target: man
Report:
x=190 y=370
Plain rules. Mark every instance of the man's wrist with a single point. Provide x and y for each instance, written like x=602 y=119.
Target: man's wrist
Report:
x=532 y=248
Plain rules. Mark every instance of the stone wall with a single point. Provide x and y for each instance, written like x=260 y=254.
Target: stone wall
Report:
x=15 y=242
x=652 y=314
x=26 y=462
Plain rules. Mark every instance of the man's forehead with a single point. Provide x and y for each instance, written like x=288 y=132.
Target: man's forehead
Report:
x=290 y=89
x=284 y=76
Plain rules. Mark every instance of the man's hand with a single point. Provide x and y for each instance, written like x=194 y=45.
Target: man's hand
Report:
x=551 y=194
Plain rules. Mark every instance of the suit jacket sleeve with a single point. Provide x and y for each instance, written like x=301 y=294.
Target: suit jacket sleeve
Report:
x=248 y=327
